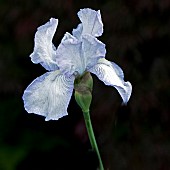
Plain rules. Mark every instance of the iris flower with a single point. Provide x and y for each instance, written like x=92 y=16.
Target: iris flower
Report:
x=80 y=52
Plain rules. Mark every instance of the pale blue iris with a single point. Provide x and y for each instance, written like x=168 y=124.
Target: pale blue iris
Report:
x=49 y=95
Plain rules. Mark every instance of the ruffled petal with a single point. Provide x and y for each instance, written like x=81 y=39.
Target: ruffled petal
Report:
x=49 y=95
x=44 y=50
x=75 y=57
x=112 y=75
x=91 y=21
x=78 y=31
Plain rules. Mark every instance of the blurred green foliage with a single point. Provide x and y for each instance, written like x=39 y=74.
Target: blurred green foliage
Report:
x=132 y=137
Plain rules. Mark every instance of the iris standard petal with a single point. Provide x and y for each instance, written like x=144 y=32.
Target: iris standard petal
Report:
x=49 y=95
x=78 y=31
x=93 y=50
x=68 y=55
x=91 y=21
x=74 y=56
x=44 y=50
x=112 y=75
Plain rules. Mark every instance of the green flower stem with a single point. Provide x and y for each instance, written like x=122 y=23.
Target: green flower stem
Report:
x=92 y=137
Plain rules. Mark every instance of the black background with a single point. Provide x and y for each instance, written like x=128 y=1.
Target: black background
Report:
x=132 y=137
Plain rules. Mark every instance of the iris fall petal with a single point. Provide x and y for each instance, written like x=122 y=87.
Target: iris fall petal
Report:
x=49 y=95
x=112 y=75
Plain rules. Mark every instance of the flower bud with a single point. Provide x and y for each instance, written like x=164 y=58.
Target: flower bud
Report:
x=83 y=88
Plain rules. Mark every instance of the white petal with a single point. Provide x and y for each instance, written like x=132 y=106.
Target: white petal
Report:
x=78 y=31
x=74 y=56
x=93 y=49
x=92 y=22
x=44 y=50
x=68 y=55
x=112 y=75
x=49 y=95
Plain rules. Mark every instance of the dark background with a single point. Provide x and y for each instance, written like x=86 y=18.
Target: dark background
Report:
x=132 y=137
